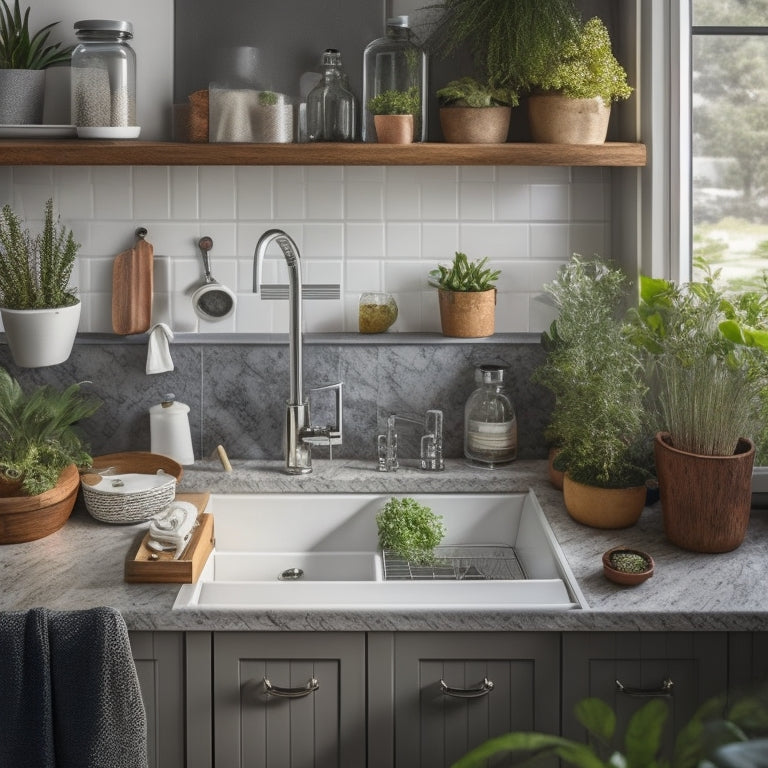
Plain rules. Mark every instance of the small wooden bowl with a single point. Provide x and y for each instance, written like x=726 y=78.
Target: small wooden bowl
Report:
x=623 y=577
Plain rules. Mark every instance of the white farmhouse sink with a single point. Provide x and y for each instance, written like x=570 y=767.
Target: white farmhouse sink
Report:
x=320 y=551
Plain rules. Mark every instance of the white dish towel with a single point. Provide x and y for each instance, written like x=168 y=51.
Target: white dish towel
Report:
x=158 y=352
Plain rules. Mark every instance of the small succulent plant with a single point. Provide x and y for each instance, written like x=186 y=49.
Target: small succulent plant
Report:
x=464 y=275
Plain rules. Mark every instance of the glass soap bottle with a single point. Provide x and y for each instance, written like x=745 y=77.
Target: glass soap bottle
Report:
x=331 y=107
x=103 y=84
x=490 y=425
x=394 y=63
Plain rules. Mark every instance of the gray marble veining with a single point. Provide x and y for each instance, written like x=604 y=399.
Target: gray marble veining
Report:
x=82 y=564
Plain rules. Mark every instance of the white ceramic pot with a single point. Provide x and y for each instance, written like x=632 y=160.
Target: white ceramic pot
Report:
x=40 y=337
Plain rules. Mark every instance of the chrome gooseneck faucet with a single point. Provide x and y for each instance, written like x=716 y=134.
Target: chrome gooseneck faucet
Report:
x=299 y=435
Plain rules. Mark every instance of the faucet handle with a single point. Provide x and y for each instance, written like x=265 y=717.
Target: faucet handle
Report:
x=432 y=442
x=331 y=434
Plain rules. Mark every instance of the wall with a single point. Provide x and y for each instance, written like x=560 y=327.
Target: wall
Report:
x=366 y=228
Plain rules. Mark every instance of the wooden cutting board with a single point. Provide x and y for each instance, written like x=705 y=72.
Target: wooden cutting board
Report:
x=132 y=289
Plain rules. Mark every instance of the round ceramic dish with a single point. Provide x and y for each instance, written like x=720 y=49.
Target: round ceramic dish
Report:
x=624 y=577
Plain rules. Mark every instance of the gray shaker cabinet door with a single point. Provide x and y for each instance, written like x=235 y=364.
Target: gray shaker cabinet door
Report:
x=159 y=660
x=314 y=714
x=435 y=727
x=601 y=664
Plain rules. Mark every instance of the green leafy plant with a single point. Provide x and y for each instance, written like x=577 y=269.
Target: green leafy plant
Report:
x=585 y=67
x=599 y=418
x=396 y=102
x=468 y=92
x=410 y=529
x=267 y=98
x=38 y=437
x=507 y=38
x=714 y=724
x=707 y=359
x=35 y=269
x=21 y=50
x=464 y=275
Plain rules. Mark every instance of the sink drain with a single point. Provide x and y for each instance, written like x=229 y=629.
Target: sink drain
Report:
x=291 y=574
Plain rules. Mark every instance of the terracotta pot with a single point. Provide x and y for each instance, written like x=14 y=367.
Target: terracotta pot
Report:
x=27 y=518
x=705 y=500
x=475 y=125
x=467 y=314
x=626 y=578
x=393 y=129
x=603 y=507
x=555 y=475
x=556 y=119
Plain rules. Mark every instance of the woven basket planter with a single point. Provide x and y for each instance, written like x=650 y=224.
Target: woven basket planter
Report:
x=705 y=500
x=467 y=314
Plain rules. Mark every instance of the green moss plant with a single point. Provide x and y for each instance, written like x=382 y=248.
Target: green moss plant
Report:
x=396 y=102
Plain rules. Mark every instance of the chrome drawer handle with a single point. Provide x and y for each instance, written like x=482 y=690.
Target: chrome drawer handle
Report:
x=291 y=693
x=665 y=689
x=467 y=693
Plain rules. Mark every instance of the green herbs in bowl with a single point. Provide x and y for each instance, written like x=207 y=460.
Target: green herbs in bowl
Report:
x=410 y=529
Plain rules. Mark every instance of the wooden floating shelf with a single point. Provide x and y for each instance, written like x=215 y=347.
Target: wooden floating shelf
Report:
x=107 y=152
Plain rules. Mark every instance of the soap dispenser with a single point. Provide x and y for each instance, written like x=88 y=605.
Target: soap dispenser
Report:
x=169 y=430
x=490 y=425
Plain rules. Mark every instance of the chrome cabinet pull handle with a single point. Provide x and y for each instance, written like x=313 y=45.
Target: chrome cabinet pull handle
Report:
x=467 y=693
x=291 y=693
x=665 y=689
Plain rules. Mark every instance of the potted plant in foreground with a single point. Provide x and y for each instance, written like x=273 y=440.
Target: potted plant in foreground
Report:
x=40 y=453
x=475 y=113
x=467 y=296
x=708 y=362
x=573 y=92
x=23 y=59
x=40 y=312
x=395 y=114
x=599 y=416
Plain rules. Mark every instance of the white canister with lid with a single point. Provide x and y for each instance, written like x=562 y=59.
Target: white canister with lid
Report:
x=169 y=430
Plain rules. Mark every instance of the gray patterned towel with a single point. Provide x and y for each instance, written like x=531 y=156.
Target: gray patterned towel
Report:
x=70 y=694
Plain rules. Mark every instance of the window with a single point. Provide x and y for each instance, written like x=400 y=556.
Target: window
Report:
x=729 y=139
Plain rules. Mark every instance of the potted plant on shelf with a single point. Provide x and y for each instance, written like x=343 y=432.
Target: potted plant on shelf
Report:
x=508 y=40
x=23 y=59
x=598 y=419
x=40 y=454
x=472 y=112
x=467 y=296
x=40 y=312
x=395 y=114
x=708 y=363
x=571 y=103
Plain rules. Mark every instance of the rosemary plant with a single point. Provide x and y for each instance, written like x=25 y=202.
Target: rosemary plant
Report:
x=35 y=269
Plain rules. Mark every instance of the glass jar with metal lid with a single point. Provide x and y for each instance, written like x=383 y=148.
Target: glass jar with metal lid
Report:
x=104 y=79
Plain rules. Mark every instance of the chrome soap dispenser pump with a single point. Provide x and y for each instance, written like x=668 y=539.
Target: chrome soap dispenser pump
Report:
x=490 y=424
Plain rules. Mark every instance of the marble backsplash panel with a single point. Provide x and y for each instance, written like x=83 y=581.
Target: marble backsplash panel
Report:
x=237 y=390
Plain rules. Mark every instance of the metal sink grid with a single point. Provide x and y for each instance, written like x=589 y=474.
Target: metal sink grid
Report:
x=458 y=563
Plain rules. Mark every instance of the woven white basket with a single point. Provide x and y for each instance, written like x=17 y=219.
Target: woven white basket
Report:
x=111 y=507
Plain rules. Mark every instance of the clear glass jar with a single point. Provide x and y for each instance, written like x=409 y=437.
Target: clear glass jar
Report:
x=103 y=75
x=377 y=312
x=394 y=63
x=331 y=106
x=490 y=425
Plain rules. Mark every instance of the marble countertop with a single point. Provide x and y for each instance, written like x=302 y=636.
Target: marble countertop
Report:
x=81 y=565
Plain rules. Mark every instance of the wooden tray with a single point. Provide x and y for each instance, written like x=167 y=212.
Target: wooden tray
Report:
x=145 y=565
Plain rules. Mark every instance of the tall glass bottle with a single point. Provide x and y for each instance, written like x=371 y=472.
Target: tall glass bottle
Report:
x=331 y=107
x=395 y=63
x=490 y=425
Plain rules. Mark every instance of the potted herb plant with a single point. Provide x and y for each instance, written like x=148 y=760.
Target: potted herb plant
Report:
x=24 y=56
x=472 y=112
x=40 y=311
x=40 y=453
x=393 y=115
x=571 y=103
x=708 y=362
x=508 y=40
x=467 y=296
x=598 y=420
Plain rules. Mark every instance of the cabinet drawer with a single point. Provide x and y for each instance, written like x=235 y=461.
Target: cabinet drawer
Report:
x=314 y=713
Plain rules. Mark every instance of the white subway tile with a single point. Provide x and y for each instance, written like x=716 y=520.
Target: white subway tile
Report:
x=289 y=202
x=217 y=192
x=184 y=192
x=323 y=240
x=476 y=201
x=512 y=202
x=588 y=202
x=550 y=241
x=254 y=189
x=402 y=200
x=361 y=276
x=590 y=240
x=512 y=312
x=550 y=202
x=403 y=240
x=151 y=193
x=252 y=315
x=439 y=242
x=77 y=201
x=364 y=200
x=364 y=241
x=325 y=200
x=495 y=241
x=112 y=192
x=99 y=274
